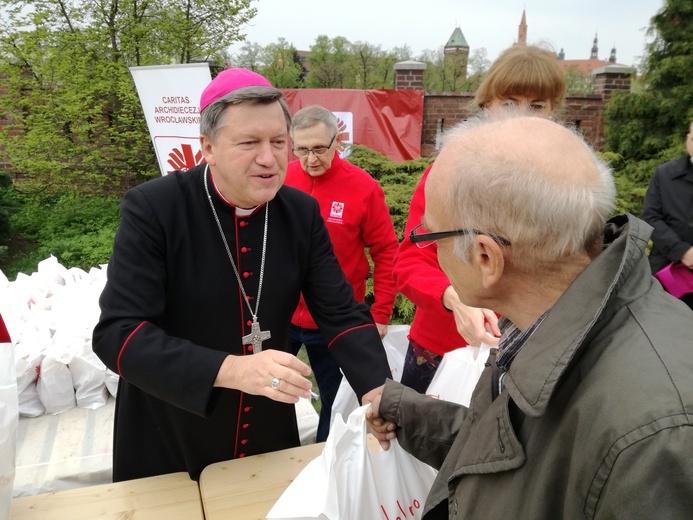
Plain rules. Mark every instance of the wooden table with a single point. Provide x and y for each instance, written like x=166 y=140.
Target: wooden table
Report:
x=247 y=488
x=166 y=497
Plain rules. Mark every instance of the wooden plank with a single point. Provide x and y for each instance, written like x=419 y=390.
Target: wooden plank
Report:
x=164 y=497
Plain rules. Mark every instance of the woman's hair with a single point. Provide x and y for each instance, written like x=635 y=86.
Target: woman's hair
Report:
x=523 y=70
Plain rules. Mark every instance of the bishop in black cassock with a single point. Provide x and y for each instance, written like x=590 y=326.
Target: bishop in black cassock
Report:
x=172 y=311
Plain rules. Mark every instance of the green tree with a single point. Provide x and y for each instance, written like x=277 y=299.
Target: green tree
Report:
x=647 y=123
x=281 y=66
x=434 y=75
x=479 y=62
x=329 y=63
x=366 y=65
x=249 y=57
x=76 y=116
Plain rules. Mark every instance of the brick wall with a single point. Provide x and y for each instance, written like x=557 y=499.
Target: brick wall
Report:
x=443 y=109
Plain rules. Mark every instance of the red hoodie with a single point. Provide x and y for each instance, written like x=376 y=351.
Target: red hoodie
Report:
x=352 y=203
x=419 y=278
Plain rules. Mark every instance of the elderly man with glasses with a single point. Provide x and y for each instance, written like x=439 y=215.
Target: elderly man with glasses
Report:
x=353 y=206
x=587 y=410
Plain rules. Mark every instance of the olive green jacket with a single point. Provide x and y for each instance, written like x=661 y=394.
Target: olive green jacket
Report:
x=596 y=420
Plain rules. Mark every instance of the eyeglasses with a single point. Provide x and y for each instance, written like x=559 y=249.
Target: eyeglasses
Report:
x=318 y=151
x=424 y=238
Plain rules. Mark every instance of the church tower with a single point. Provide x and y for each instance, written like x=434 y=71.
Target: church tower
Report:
x=456 y=56
x=522 y=30
x=595 y=49
x=612 y=57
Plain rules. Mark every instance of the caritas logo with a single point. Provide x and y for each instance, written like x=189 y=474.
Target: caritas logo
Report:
x=177 y=153
x=345 y=126
x=184 y=158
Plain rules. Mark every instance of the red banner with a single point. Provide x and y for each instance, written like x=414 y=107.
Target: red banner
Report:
x=388 y=121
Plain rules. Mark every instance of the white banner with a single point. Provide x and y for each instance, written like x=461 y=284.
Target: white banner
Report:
x=170 y=97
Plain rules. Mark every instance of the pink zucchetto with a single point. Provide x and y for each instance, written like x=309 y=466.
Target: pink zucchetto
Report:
x=229 y=80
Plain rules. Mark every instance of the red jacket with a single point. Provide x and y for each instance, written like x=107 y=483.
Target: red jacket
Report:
x=419 y=278
x=352 y=203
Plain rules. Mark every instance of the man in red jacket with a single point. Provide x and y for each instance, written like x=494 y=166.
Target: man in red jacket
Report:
x=353 y=206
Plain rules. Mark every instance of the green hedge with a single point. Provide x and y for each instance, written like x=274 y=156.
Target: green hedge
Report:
x=79 y=229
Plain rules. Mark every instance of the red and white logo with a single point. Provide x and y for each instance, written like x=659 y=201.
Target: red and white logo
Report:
x=337 y=209
x=345 y=127
x=184 y=158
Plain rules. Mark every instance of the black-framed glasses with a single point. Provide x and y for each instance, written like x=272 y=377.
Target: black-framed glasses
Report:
x=318 y=150
x=424 y=238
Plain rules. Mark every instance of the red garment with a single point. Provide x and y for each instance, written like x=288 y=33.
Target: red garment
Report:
x=4 y=335
x=419 y=277
x=352 y=203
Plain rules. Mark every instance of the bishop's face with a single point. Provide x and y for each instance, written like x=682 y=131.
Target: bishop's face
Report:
x=249 y=155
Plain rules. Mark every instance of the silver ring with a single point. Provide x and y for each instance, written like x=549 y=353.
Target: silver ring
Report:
x=275 y=383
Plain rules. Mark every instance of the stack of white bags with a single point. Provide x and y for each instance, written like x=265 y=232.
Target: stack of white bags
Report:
x=50 y=315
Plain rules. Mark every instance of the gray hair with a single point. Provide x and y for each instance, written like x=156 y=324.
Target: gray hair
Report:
x=212 y=117
x=545 y=217
x=312 y=115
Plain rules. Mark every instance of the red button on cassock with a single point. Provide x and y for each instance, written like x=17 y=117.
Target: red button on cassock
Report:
x=245 y=249
x=243 y=223
x=247 y=274
x=245 y=426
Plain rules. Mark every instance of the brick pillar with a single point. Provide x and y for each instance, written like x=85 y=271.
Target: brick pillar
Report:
x=409 y=75
x=611 y=78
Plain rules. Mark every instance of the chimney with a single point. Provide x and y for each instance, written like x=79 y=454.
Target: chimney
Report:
x=409 y=75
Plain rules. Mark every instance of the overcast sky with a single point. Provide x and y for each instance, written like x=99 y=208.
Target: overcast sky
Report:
x=492 y=24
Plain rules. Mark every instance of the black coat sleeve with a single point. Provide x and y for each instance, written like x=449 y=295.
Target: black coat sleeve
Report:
x=129 y=337
x=660 y=195
x=346 y=326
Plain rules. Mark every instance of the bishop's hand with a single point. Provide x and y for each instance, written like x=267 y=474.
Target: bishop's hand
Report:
x=272 y=373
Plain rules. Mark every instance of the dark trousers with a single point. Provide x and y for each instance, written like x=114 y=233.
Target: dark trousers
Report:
x=420 y=366
x=325 y=369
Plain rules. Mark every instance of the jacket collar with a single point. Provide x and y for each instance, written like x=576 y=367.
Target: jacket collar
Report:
x=684 y=168
x=491 y=445
x=538 y=367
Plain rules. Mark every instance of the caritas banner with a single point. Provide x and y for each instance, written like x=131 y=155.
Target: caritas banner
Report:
x=388 y=121
x=170 y=97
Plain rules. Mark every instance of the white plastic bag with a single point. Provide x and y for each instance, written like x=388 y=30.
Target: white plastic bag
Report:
x=458 y=374
x=55 y=386
x=348 y=481
x=395 y=343
x=9 y=415
x=88 y=378
x=27 y=368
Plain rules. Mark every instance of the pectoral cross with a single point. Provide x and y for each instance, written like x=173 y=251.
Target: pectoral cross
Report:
x=256 y=337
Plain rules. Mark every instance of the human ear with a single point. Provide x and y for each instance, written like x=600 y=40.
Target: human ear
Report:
x=489 y=257
x=207 y=148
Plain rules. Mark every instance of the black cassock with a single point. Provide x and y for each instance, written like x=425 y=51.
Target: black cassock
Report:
x=172 y=311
